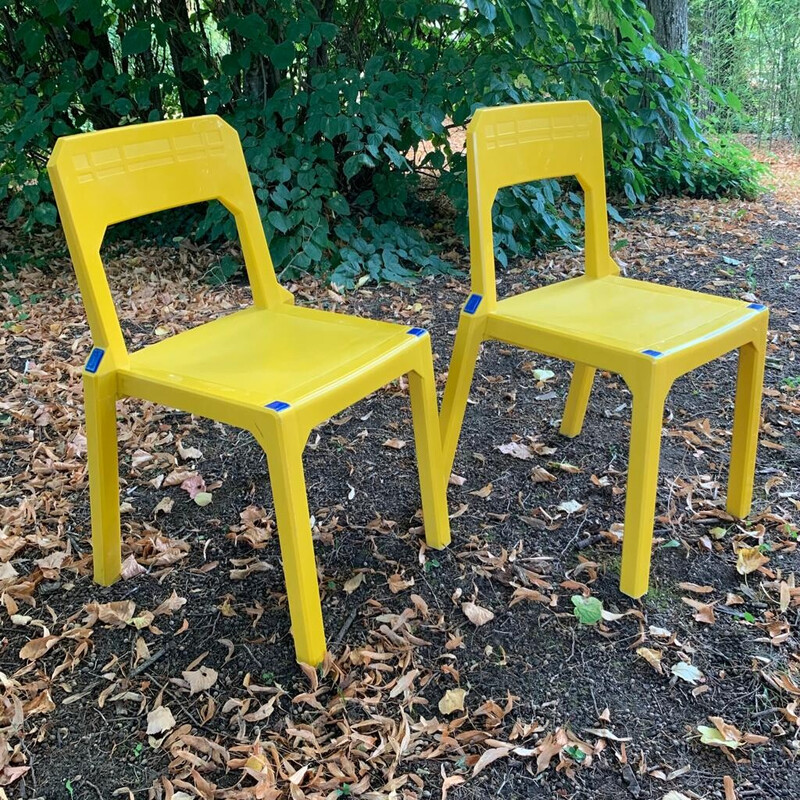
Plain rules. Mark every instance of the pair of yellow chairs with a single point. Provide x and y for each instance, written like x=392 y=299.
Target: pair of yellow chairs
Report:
x=278 y=370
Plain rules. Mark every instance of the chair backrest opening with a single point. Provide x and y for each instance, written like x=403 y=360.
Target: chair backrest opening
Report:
x=105 y=177
x=510 y=145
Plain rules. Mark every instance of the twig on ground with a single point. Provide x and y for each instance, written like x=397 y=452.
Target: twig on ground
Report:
x=351 y=618
x=148 y=663
x=99 y=793
x=591 y=540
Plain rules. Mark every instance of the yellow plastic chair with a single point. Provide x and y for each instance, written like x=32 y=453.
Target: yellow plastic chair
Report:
x=274 y=369
x=647 y=333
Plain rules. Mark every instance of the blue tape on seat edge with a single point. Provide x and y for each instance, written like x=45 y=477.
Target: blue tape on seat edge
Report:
x=757 y=306
x=416 y=331
x=473 y=301
x=95 y=357
x=653 y=353
x=277 y=405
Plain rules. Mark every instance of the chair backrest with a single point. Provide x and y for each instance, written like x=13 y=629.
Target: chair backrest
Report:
x=105 y=177
x=509 y=145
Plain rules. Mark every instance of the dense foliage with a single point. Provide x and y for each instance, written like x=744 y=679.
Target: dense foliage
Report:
x=753 y=48
x=335 y=100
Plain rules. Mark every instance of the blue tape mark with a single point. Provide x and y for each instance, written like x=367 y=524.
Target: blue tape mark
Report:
x=417 y=331
x=757 y=306
x=653 y=353
x=277 y=405
x=473 y=301
x=95 y=357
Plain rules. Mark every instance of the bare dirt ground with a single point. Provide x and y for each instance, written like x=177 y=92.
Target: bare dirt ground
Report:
x=179 y=681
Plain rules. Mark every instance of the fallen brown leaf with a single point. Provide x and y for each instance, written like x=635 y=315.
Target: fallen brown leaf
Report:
x=477 y=615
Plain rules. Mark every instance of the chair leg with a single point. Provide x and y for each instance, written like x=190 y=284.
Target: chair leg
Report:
x=285 y=461
x=747 y=416
x=456 y=392
x=100 y=401
x=646 y=424
x=577 y=400
x=424 y=410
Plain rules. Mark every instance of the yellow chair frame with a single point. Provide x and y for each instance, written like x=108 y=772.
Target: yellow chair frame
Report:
x=648 y=333
x=273 y=369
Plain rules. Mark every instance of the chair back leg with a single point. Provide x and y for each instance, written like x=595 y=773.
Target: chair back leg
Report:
x=459 y=379
x=747 y=416
x=577 y=400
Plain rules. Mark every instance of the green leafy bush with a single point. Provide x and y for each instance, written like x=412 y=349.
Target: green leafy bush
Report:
x=721 y=168
x=334 y=102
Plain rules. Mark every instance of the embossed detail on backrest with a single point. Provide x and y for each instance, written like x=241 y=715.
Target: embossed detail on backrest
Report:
x=125 y=173
x=535 y=141
x=116 y=161
x=525 y=131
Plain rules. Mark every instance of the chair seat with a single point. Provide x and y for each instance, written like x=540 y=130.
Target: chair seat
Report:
x=624 y=314
x=259 y=356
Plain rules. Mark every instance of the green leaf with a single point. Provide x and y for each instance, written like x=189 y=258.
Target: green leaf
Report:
x=712 y=736
x=487 y=9
x=92 y=57
x=278 y=221
x=136 y=40
x=338 y=205
x=575 y=753
x=629 y=193
x=651 y=55
x=395 y=157
x=230 y=64
x=46 y=214
x=282 y=55
x=224 y=270
x=203 y=498
x=354 y=164
x=15 y=208
x=733 y=101
x=312 y=251
x=32 y=35
x=60 y=128
x=588 y=610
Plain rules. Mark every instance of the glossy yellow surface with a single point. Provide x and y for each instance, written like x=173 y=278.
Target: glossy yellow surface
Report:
x=273 y=369
x=649 y=334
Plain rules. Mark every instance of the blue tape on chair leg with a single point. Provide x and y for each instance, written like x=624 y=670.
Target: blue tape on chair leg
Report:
x=95 y=357
x=473 y=301
x=277 y=405
x=416 y=331
x=653 y=353
x=757 y=306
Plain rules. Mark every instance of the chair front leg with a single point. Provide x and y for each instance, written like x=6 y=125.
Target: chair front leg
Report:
x=577 y=400
x=459 y=379
x=747 y=416
x=424 y=410
x=100 y=401
x=646 y=425
x=284 y=449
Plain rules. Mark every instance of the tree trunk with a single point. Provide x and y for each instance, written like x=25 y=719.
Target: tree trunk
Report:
x=672 y=23
x=191 y=87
